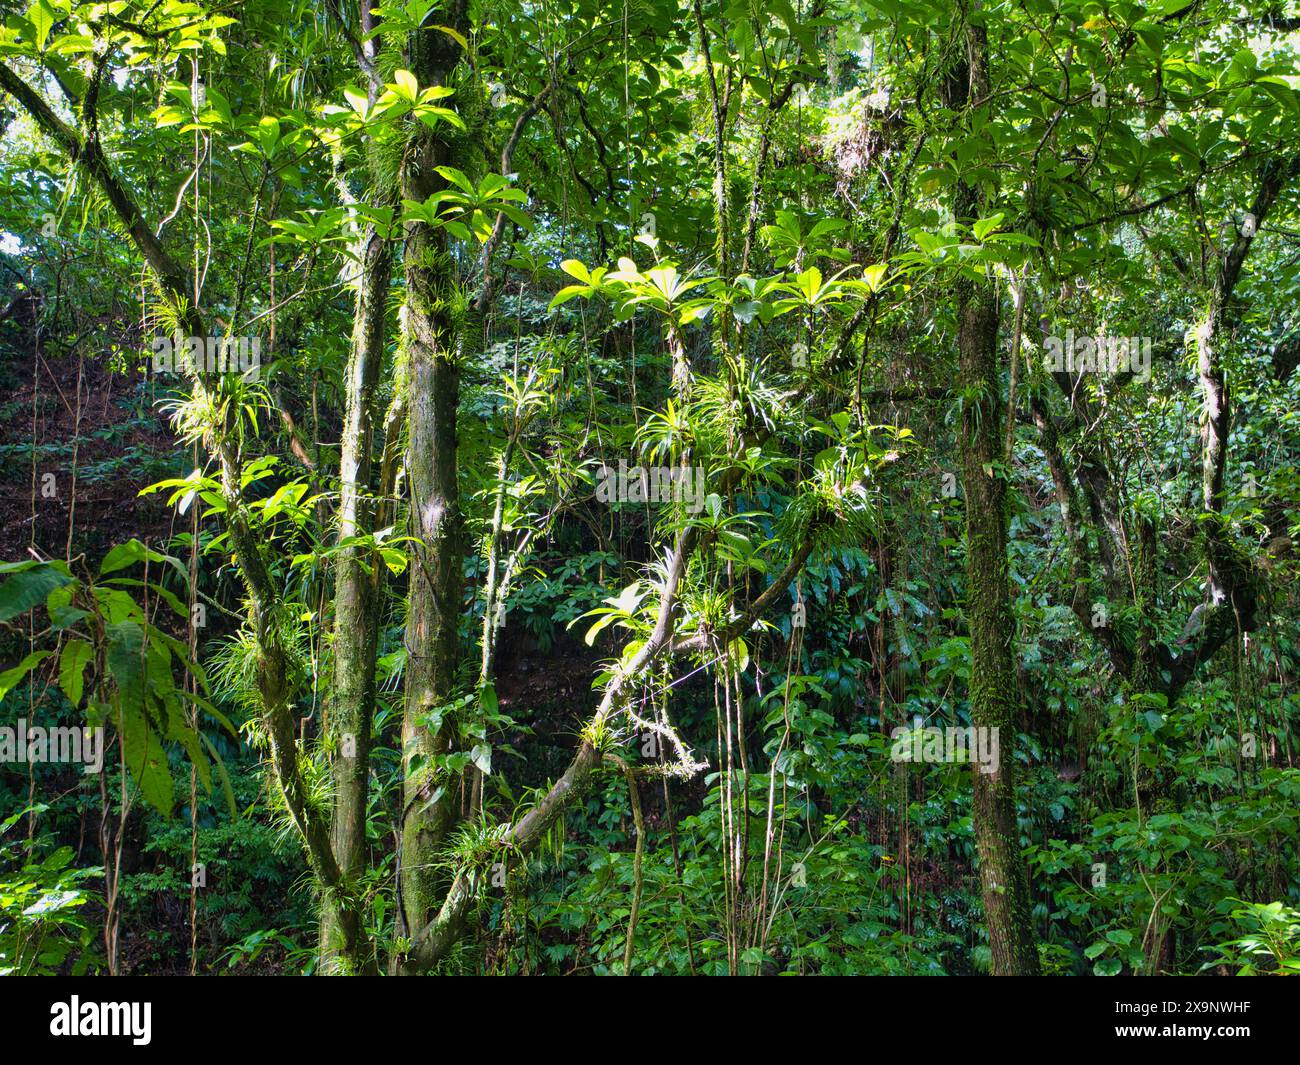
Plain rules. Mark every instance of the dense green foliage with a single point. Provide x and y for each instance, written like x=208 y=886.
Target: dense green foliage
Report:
x=399 y=665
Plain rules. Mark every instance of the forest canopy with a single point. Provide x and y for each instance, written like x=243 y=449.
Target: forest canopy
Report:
x=654 y=487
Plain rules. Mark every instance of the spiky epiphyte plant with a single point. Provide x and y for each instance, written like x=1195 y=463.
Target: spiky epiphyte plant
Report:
x=601 y=734
x=234 y=669
x=474 y=847
x=704 y=607
x=236 y=659
x=666 y=436
x=740 y=401
x=220 y=408
x=835 y=508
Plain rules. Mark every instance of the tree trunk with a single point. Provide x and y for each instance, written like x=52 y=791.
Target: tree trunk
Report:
x=994 y=694
x=358 y=595
x=429 y=335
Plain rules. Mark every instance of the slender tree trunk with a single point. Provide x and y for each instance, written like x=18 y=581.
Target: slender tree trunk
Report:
x=429 y=334
x=358 y=594
x=993 y=688
x=994 y=693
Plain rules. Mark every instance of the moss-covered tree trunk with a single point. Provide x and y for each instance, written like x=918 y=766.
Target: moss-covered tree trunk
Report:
x=994 y=692
x=359 y=578
x=358 y=588
x=429 y=336
x=993 y=686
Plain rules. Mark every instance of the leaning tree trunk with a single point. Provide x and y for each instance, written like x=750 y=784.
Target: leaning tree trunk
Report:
x=994 y=693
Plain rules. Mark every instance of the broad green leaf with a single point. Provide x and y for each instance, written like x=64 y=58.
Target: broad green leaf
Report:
x=12 y=676
x=41 y=15
x=408 y=88
x=72 y=668
x=25 y=589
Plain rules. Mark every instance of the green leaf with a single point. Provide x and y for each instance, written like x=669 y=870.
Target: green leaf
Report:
x=457 y=178
x=226 y=788
x=984 y=226
x=72 y=668
x=738 y=650
x=407 y=86
x=133 y=551
x=41 y=16
x=145 y=758
x=356 y=99
x=268 y=134
x=487 y=699
x=10 y=677
x=455 y=35
x=576 y=268
x=25 y=589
